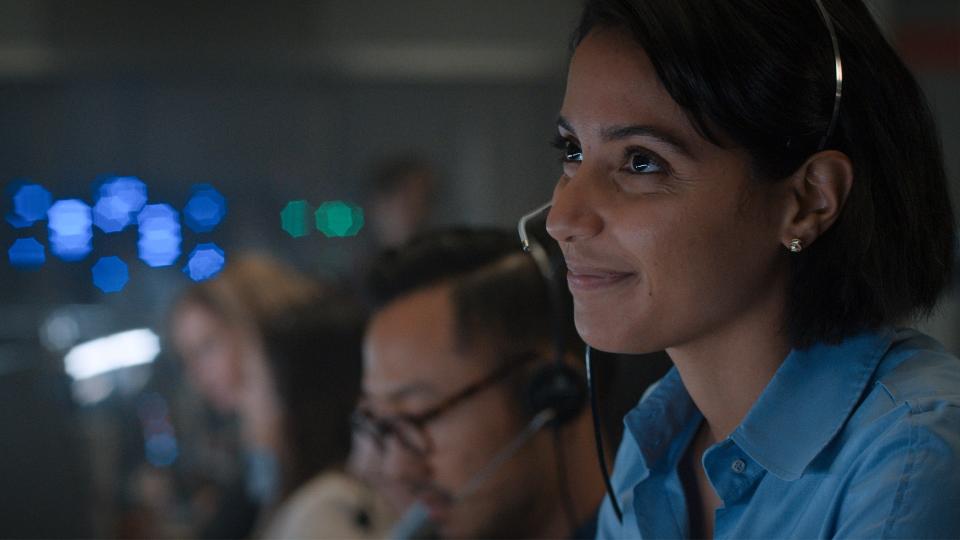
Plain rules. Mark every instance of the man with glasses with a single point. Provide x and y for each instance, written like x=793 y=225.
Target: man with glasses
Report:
x=461 y=326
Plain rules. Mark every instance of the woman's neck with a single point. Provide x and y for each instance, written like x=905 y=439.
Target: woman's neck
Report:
x=727 y=371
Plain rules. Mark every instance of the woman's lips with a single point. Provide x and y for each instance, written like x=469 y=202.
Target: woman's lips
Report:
x=590 y=279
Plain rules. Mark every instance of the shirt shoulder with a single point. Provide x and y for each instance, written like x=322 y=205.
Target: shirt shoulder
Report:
x=901 y=448
x=919 y=373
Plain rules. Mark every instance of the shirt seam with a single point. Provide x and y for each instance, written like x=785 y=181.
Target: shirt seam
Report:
x=888 y=391
x=911 y=462
x=922 y=405
x=926 y=406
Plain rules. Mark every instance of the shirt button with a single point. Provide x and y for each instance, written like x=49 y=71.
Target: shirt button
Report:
x=738 y=466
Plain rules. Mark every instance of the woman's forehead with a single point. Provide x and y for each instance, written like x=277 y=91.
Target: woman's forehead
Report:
x=612 y=83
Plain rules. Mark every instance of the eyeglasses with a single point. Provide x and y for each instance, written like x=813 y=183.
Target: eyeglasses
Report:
x=410 y=429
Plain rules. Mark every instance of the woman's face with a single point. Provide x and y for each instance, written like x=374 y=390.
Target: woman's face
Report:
x=667 y=238
x=211 y=355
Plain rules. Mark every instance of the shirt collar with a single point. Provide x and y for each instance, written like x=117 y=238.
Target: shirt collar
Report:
x=665 y=414
x=804 y=406
x=808 y=401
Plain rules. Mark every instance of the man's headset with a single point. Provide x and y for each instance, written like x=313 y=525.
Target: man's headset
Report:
x=553 y=395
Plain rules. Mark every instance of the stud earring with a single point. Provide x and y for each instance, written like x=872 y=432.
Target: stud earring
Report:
x=796 y=245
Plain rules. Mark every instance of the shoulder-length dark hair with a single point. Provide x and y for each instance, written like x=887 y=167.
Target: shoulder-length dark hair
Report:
x=311 y=338
x=759 y=74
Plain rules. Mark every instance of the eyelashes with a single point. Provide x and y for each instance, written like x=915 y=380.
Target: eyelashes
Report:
x=635 y=159
x=569 y=150
x=640 y=161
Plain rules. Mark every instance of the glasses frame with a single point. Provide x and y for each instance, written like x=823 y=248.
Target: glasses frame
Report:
x=380 y=428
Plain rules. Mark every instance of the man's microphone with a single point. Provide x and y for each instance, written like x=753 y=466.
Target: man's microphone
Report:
x=415 y=522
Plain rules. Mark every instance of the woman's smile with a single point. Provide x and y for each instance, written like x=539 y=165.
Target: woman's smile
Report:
x=586 y=277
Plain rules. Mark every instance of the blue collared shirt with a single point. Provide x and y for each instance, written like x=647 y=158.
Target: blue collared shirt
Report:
x=856 y=440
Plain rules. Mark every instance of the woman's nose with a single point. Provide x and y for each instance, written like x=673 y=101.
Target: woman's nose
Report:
x=573 y=216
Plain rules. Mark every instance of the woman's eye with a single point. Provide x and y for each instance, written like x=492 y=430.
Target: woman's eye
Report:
x=572 y=152
x=641 y=163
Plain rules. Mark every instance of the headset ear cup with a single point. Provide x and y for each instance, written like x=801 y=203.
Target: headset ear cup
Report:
x=559 y=388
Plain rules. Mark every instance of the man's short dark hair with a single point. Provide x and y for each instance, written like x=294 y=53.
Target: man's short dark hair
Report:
x=497 y=290
x=759 y=75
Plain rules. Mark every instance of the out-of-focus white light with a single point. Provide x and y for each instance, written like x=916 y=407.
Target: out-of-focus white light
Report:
x=60 y=331
x=125 y=349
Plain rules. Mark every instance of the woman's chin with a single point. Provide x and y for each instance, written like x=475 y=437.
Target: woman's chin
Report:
x=600 y=336
x=614 y=336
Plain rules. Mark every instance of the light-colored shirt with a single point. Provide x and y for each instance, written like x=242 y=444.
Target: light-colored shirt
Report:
x=331 y=505
x=856 y=440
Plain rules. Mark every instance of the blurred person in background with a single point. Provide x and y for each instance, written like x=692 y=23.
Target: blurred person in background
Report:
x=401 y=199
x=288 y=354
x=460 y=332
x=211 y=328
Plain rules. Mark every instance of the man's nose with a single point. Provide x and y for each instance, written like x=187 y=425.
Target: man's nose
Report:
x=400 y=463
x=401 y=472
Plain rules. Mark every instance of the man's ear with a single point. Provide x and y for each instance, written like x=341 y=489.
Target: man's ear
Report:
x=817 y=190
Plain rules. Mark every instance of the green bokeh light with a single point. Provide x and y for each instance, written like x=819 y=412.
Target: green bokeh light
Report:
x=293 y=219
x=337 y=219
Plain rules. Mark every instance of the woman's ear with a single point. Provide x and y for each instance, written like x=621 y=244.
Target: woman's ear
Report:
x=818 y=191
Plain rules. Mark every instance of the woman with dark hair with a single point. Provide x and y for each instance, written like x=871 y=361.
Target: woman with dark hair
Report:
x=757 y=187
x=297 y=361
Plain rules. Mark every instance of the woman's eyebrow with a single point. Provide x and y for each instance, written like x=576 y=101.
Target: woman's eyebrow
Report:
x=565 y=124
x=616 y=133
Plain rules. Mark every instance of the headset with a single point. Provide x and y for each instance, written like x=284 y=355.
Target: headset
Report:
x=553 y=395
x=559 y=387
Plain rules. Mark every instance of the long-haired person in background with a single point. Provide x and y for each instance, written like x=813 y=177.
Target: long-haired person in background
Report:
x=296 y=349
x=757 y=187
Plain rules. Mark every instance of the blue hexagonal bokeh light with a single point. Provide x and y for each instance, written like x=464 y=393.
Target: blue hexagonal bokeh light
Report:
x=110 y=274
x=27 y=253
x=9 y=191
x=71 y=229
x=118 y=200
x=159 y=227
x=205 y=261
x=30 y=204
x=205 y=209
